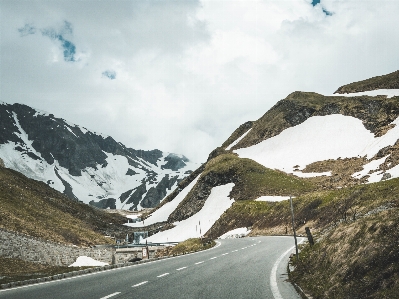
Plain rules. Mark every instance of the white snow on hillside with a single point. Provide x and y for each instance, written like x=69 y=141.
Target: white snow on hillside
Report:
x=237 y=140
x=378 y=143
x=375 y=176
x=163 y=212
x=85 y=261
x=387 y=92
x=93 y=183
x=319 y=138
x=235 y=233
x=272 y=198
x=311 y=174
x=198 y=224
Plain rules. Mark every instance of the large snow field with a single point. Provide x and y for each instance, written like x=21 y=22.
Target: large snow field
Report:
x=198 y=224
x=163 y=212
x=318 y=138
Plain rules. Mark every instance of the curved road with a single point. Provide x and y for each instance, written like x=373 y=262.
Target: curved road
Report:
x=253 y=267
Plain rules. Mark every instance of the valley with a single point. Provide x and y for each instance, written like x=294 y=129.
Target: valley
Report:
x=335 y=155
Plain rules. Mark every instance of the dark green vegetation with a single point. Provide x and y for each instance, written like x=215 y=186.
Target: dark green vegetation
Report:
x=12 y=269
x=253 y=179
x=389 y=81
x=32 y=208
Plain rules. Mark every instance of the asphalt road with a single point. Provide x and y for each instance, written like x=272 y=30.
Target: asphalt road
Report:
x=236 y=268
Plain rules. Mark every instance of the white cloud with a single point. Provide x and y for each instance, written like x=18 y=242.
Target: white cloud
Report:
x=187 y=72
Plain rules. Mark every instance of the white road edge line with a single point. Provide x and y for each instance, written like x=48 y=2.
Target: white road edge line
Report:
x=112 y=295
x=199 y=263
x=181 y=268
x=162 y=275
x=139 y=284
x=273 y=273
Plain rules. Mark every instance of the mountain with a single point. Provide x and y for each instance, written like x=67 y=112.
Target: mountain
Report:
x=85 y=165
x=33 y=208
x=309 y=146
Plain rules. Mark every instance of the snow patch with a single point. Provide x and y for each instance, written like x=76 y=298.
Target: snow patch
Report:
x=311 y=174
x=238 y=140
x=373 y=93
x=373 y=165
x=272 y=198
x=163 y=212
x=236 y=233
x=198 y=224
x=69 y=129
x=319 y=138
x=85 y=261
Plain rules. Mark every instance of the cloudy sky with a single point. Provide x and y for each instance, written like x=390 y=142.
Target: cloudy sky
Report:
x=181 y=76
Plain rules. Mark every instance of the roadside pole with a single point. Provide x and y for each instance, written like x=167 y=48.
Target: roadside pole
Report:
x=293 y=228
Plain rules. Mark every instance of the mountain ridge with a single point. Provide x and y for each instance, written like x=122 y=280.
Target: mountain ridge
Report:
x=91 y=167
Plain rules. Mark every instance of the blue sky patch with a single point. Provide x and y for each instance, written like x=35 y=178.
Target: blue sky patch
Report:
x=69 y=49
x=109 y=74
x=326 y=12
x=27 y=30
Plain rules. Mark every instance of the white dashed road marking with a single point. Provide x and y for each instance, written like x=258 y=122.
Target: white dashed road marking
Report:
x=199 y=263
x=212 y=258
x=139 y=284
x=162 y=275
x=181 y=268
x=109 y=296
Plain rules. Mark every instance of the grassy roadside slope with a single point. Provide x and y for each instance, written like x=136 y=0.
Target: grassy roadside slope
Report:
x=356 y=231
x=356 y=260
x=32 y=208
x=323 y=211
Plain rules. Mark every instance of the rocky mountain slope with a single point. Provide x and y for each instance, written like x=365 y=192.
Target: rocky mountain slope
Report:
x=84 y=165
x=306 y=144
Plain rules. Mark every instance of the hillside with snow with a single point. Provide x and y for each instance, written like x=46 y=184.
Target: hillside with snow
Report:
x=307 y=142
x=85 y=165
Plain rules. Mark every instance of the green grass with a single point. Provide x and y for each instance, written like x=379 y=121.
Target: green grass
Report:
x=319 y=209
x=253 y=179
x=356 y=260
x=389 y=81
x=190 y=245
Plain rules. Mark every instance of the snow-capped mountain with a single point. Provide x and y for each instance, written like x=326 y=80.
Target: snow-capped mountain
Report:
x=84 y=165
x=307 y=142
